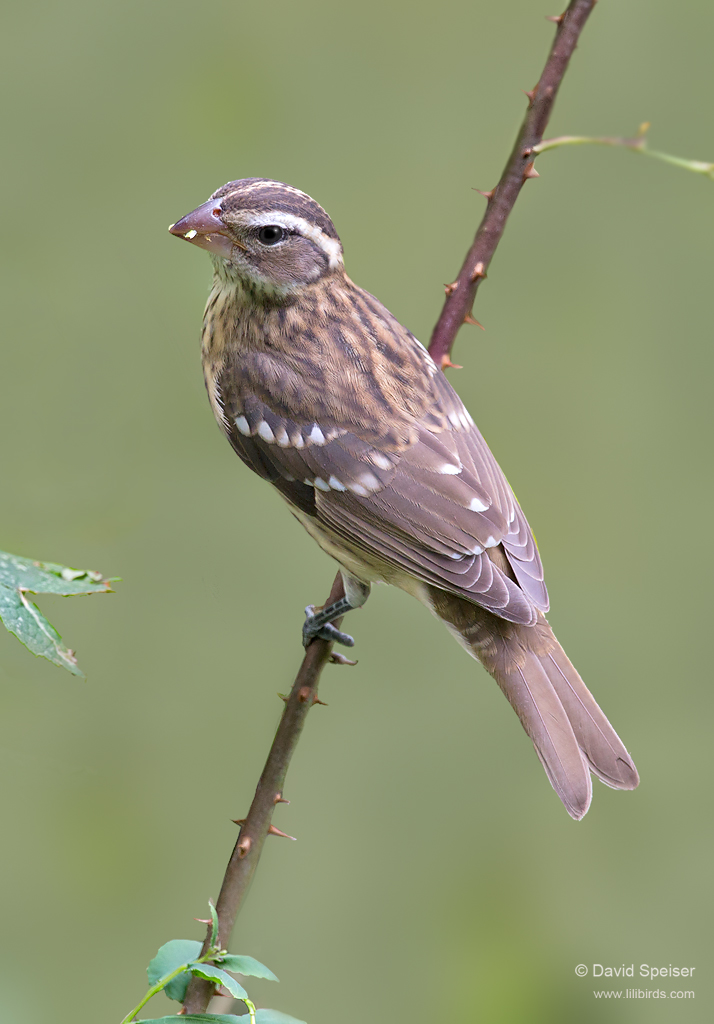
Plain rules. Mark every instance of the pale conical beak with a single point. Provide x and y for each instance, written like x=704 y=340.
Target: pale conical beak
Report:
x=205 y=229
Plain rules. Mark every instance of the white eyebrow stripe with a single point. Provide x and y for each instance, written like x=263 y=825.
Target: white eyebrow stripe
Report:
x=330 y=246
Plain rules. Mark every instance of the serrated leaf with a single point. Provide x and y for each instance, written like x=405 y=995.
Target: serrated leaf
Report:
x=20 y=576
x=171 y=955
x=197 y=1018
x=48 y=577
x=245 y=965
x=24 y=619
x=275 y=1017
x=215 y=974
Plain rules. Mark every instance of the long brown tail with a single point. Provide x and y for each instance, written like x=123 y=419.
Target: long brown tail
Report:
x=570 y=733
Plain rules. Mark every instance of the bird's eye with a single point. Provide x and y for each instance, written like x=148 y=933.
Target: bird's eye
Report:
x=271 y=234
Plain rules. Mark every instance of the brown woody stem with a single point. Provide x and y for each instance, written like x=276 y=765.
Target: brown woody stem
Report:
x=519 y=167
x=255 y=828
x=457 y=307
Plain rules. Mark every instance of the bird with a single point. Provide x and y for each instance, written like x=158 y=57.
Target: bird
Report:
x=321 y=391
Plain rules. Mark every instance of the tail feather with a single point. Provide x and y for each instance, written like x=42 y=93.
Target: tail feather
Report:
x=570 y=733
x=603 y=748
x=542 y=715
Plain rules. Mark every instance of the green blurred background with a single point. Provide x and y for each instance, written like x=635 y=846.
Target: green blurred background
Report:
x=436 y=874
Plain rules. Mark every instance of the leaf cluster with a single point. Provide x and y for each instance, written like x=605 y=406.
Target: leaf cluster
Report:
x=180 y=959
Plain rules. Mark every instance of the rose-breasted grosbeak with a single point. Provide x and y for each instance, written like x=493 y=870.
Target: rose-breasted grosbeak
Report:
x=323 y=393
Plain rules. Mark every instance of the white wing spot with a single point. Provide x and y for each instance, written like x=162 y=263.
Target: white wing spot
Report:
x=242 y=423
x=477 y=549
x=450 y=470
x=310 y=483
x=490 y=542
x=316 y=435
x=463 y=416
x=265 y=432
x=478 y=506
x=454 y=419
x=321 y=484
x=358 y=489
x=282 y=438
x=298 y=440
x=336 y=484
x=379 y=460
x=370 y=481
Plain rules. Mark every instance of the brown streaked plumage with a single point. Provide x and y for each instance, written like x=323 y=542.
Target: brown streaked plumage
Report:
x=321 y=391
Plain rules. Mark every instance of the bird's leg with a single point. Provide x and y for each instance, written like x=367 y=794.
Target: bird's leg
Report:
x=319 y=623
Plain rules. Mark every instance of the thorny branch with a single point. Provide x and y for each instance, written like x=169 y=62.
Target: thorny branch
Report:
x=258 y=823
x=519 y=168
x=457 y=309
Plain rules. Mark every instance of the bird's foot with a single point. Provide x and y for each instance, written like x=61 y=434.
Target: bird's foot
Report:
x=318 y=623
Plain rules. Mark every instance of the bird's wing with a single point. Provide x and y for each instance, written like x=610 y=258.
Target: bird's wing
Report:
x=431 y=508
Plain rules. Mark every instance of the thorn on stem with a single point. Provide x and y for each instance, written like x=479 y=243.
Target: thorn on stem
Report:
x=273 y=831
x=446 y=364
x=239 y=821
x=451 y=288
x=531 y=94
x=487 y=195
x=530 y=171
x=316 y=700
x=478 y=271
x=244 y=846
x=339 y=659
x=283 y=697
x=279 y=799
x=468 y=319
x=557 y=18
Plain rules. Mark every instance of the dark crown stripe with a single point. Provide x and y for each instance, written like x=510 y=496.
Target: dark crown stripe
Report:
x=263 y=195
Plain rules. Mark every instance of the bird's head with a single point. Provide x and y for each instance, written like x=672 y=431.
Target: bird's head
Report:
x=264 y=233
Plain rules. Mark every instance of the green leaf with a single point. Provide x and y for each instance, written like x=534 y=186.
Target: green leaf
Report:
x=198 y=1018
x=172 y=955
x=20 y=576
x=215 y=974
x=245 y=965
x=214 y=924
x=275 y=1017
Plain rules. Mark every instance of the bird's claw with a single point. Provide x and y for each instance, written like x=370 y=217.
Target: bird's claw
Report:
x=314 y=627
